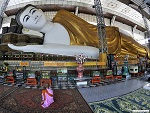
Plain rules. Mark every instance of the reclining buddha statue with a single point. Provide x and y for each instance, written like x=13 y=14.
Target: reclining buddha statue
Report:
x=70 y=35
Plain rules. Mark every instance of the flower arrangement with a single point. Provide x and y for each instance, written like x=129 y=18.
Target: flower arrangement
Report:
x=80 y=58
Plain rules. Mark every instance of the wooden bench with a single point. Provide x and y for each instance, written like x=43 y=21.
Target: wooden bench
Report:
x=134 y=74
x=45 y=81
x=109 y=77
x=118 y=77
x=10 y=79
x=96 y=79
x=31 y=81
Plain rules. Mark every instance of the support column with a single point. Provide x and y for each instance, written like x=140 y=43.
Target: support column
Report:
x=113 y=20
x=141 y=7
x=103 y=58
x=1 y=19
x=101 y=27
x=133 y=29
x=77 y=10
x=147 y=33
x=2 y=10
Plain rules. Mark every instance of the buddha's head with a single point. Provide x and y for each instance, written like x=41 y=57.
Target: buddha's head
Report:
x=31 y=18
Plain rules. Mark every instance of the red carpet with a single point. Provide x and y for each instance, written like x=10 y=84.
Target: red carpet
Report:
x=28 y=101
x=5 y=90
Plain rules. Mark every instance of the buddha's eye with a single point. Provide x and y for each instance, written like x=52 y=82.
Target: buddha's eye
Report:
x=33 y=11
x=27 y=18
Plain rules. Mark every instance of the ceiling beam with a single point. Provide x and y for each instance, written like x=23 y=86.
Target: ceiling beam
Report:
x=81 y=9
x=130 y=3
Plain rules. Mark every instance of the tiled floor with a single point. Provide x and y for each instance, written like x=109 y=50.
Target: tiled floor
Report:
x=98 y=93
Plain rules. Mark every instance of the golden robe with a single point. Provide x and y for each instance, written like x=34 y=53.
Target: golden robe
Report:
x=83 y=33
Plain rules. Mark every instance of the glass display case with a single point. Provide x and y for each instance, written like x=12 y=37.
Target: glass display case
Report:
x=45 y=74
x=19 y=75
x=61 y=72
x=96 y=73
x=31 y=75
x=62 y=75
x=117 y=70
x=10 y=73
x=109 y=72
x=71 y=75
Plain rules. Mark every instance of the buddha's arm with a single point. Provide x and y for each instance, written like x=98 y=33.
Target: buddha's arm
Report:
x=59 y=49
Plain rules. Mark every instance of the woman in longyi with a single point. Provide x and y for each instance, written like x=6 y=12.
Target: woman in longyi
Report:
x=47 y=96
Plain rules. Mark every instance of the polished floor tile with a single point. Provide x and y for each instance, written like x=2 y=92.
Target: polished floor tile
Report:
x=98 y=93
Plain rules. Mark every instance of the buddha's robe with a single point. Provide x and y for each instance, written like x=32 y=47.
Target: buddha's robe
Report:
x=83 y=33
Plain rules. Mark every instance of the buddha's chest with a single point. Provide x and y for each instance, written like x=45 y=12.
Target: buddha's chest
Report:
x=58 y=34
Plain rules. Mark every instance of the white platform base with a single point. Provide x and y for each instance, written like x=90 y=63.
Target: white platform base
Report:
x=147 y=86
x=81 y=83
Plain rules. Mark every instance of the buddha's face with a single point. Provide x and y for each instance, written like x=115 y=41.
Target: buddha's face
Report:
x=33 y=18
